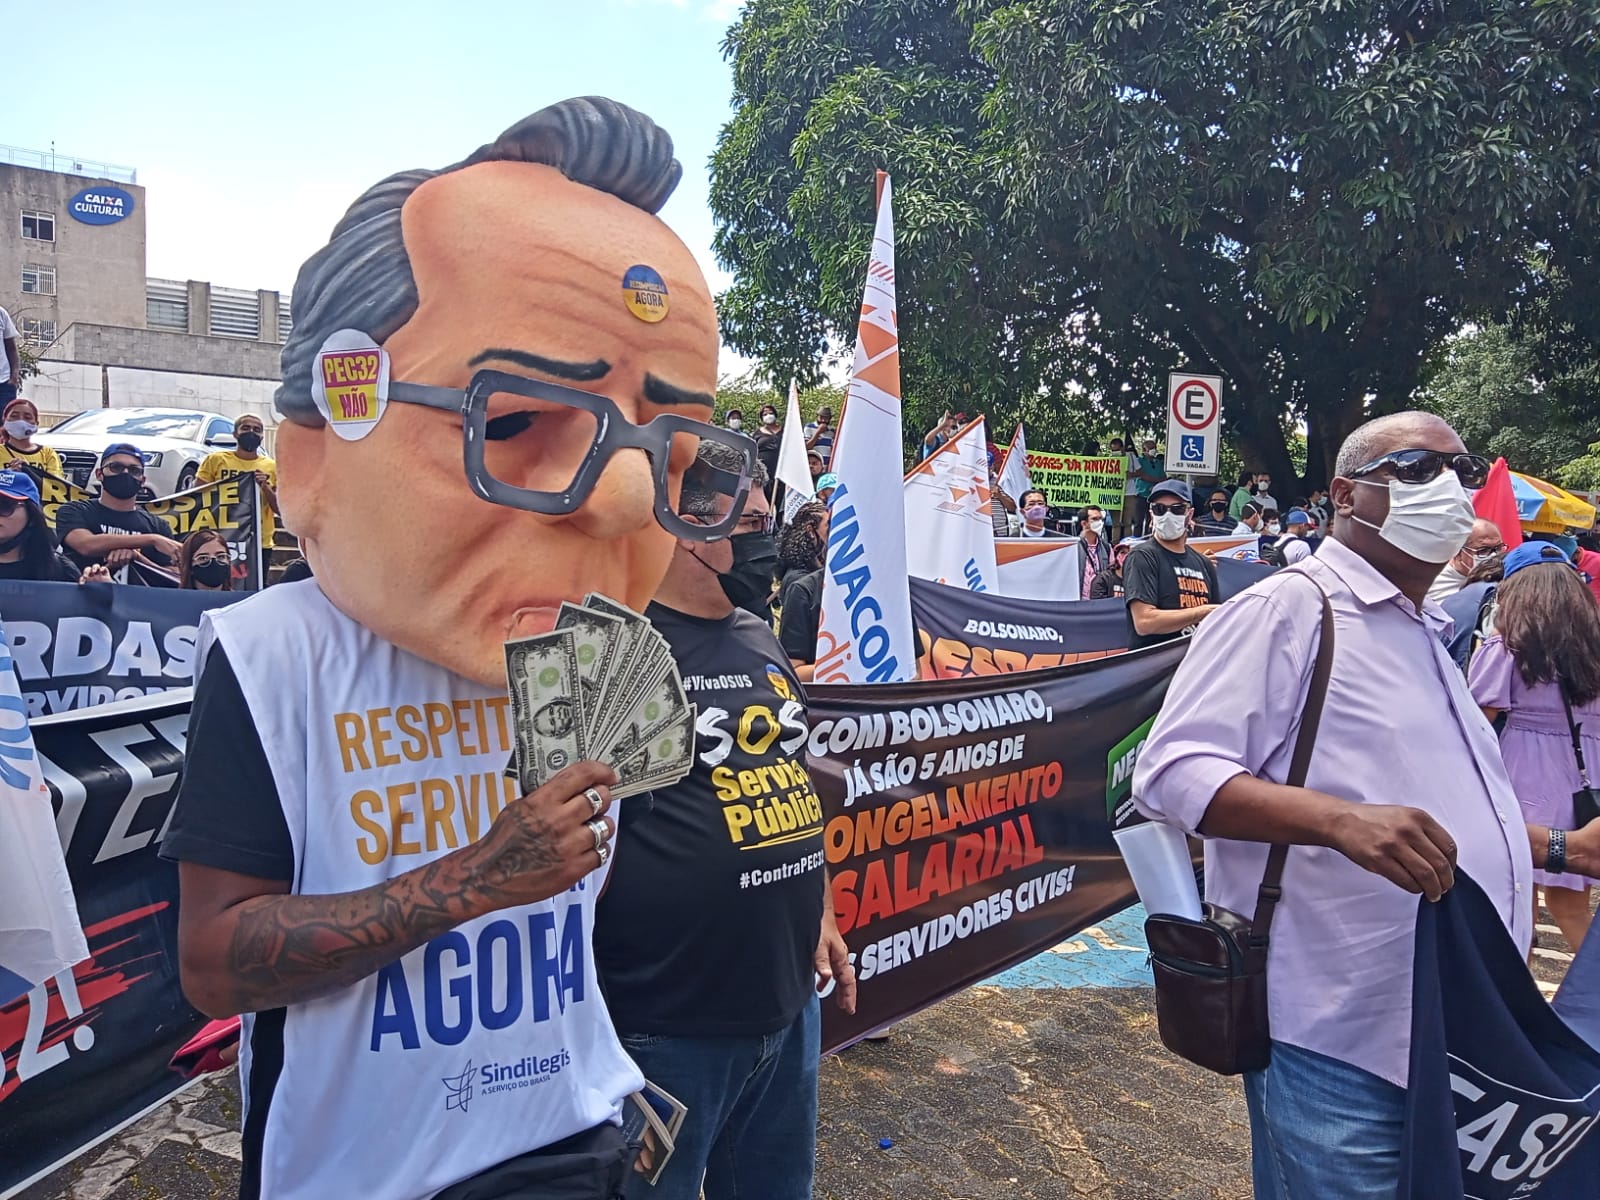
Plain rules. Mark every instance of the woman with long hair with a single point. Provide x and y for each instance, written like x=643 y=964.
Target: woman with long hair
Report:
x=28 y=548
x=1543 y=662
x=19 y=421
x=203 y=562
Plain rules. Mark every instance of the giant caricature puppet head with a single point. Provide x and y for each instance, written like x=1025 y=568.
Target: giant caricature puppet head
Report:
x=495 y=381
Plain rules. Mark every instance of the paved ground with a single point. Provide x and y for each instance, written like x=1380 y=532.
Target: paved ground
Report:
x=1047 y=1082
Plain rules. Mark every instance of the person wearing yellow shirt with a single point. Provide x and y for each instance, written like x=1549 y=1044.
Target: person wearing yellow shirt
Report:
x=19 y=449
x=248 y=460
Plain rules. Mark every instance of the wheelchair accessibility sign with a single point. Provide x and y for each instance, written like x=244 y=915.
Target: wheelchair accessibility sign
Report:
x=1194 y=423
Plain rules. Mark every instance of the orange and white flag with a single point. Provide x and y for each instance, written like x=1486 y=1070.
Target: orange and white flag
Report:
x=865 y=633
x=949 y=514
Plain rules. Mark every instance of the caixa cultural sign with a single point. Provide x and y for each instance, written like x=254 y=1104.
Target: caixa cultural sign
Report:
x=101 y=205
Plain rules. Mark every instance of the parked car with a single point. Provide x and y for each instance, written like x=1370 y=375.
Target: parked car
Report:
x=172 y=440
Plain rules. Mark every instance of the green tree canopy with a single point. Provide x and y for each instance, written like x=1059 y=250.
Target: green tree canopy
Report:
x=1306 y=195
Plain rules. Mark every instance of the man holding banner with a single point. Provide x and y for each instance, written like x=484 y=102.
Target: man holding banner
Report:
x=1405 y=784
x=111 y=529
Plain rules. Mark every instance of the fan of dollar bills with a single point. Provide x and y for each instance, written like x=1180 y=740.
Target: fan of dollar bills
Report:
x=602 y=685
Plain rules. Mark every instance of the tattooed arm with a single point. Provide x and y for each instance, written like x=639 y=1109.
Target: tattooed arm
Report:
x=245 y=945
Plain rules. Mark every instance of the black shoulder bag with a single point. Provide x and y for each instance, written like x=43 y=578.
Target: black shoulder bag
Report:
x=1585 y=801
x=1211 y=974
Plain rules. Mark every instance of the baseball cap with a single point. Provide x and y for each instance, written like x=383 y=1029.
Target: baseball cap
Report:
x=123 y=448
x=1297 y=516
x=1532 y=553
x=1173 y=487
x=827 y=481
x=19 y=485
x=1128 y=542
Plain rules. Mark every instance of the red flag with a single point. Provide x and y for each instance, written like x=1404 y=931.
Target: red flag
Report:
x=1496 y=502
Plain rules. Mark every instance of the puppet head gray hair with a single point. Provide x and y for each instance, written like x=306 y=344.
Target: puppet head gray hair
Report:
x=362 y=278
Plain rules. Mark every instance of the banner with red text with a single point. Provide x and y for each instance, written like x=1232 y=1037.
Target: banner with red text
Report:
x=967 y=822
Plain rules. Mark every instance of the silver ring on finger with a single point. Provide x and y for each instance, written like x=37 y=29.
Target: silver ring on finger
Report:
x=602 y=833
x=604 y=852
x=595 y=799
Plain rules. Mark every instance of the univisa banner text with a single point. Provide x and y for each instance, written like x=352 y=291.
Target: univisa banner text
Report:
x=230 y=506
x=1072 y=481
x=88 y=1049
x=962 y=633
x=966 y=821
x=78 y=646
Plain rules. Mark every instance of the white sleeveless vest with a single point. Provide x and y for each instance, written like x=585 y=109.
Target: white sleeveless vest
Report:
x=490 y=1041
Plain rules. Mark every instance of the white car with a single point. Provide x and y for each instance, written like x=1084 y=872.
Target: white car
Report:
x=172 y=440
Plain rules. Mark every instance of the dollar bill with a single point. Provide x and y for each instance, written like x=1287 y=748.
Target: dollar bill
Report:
x=659 y=705
x=663 y=760
x=542 y=675
x=628 y=658
x=595 y=639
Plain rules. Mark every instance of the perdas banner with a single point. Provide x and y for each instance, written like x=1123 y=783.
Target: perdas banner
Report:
x=89 y=1049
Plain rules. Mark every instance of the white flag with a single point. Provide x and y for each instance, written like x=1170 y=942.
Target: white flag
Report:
x=865 y=635
x=39 y=931
x=949 y=514
x=1014 y=480
x=793 y=472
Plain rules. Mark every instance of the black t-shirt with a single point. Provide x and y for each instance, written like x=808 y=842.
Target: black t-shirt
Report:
x=1166 y=580
x=58 y=568
x=713 y=910
x=1106 y=586
x=97 y=518
x=801 y=603
x=227 y=815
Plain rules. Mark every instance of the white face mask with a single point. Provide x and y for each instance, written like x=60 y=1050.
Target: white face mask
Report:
x=19 y=428
x=1096 y=526
x=1429 y=521
x=735 y=423
x=1169 y=527
x=769 y=418
x=1272 y=527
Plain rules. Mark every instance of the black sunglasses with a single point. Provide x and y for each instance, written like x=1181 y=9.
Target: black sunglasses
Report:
x=1162 y=510
x=578 y=433
x=9 y=505
x=122 y=469
x=1424 y=466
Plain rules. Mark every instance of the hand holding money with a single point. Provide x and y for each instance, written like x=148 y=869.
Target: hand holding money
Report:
x=602 y=686
x=544 y=842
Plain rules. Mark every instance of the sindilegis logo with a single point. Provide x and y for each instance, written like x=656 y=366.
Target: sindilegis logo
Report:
x=458 y=1090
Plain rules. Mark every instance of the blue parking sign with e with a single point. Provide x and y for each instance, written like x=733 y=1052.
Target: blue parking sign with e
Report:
x=1193 y=448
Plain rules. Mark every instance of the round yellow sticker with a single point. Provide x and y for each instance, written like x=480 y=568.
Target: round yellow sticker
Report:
x=645 y=293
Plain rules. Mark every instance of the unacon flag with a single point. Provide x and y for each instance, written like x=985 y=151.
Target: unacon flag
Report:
x=39 y=931
x=949 y=514
x=1013 y=473
x=864 y=635
x=793 y=472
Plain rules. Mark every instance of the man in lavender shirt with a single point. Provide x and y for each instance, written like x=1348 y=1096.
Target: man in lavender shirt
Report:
x=1405 y=783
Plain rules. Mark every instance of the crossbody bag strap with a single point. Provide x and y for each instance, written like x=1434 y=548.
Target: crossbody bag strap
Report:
x=1310 y=717
x=1577 y=733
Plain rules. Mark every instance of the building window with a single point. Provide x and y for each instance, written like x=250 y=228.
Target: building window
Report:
x=38 y=280
x=38 y=226
x=38 y=333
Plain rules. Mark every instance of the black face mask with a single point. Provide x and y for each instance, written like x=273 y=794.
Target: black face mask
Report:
x=749 y=583
x=1219 y=507
x=212 y=574
x=250 y=442
x=123 y=487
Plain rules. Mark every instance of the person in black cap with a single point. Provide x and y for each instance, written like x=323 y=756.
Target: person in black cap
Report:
x=111 y=529
x=27 y=548
x=1169 y=587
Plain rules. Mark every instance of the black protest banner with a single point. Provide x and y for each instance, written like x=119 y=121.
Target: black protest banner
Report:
x=961 y=633
x=966 y=824
x=230 y=506
x=87 y=1050
x=76 y=646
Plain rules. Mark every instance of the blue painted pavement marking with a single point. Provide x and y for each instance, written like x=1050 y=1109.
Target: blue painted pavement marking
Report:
x=1110 y=954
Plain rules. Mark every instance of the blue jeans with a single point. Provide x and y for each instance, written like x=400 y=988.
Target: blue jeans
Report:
x=1322 y=1128
x=751 y=1128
